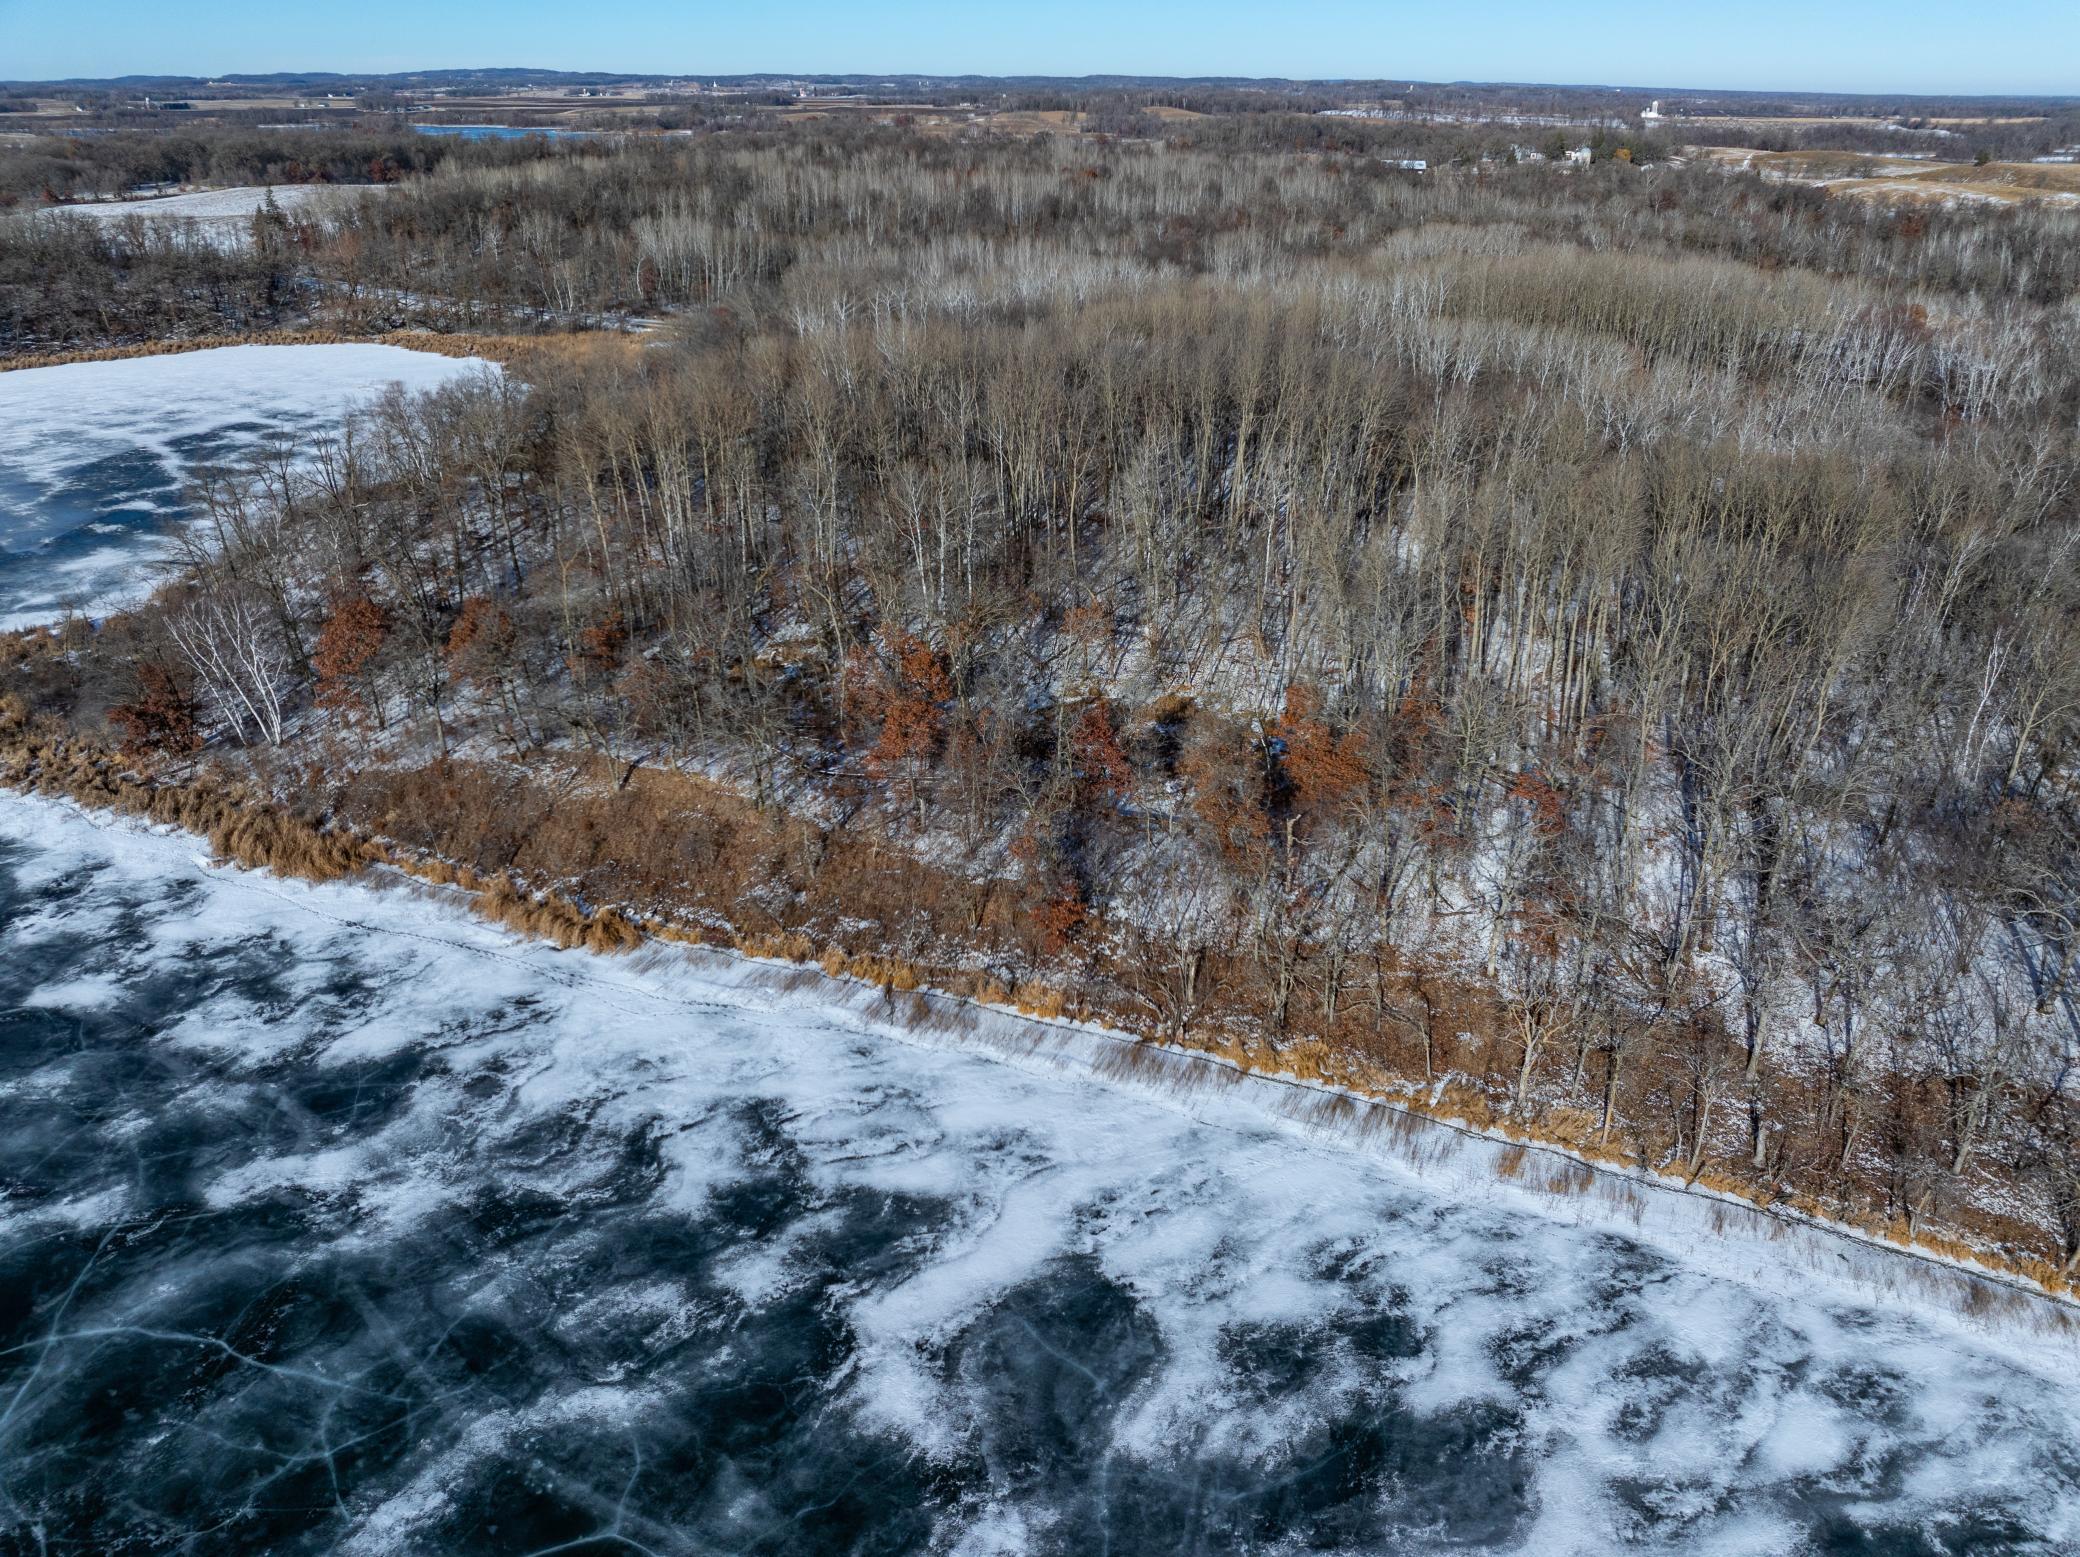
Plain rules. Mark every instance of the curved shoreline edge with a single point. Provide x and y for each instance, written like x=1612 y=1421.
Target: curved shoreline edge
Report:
x=1715 y=1232
x=506 y=349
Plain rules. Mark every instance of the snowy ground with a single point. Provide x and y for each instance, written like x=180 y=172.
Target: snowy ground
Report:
x=94 y=455
x=335 y=1220
x=218 y=212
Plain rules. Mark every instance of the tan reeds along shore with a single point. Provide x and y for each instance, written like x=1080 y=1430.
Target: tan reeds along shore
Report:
x=245 y=825
x=513 y=351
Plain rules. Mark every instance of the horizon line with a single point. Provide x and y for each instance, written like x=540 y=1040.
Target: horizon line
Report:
x=1121 y=77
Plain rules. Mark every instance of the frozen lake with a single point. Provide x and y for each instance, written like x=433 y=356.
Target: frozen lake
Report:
x=95 y=456
x=503 y=132
x=221 y=214
x=331 y=1220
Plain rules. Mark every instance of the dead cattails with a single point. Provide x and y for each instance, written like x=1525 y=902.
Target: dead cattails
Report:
x=514 y=351
x=1042 y=1000
x=792 y=946
x=245 y=826
x=890 y=973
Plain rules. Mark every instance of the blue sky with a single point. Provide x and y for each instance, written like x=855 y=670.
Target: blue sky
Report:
x=1846 y=45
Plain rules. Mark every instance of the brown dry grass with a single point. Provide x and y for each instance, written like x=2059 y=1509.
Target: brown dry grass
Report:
x=1042 y=1000
x=1906 y=180
x=514 y=351
x=1946 y=191
x=1799 y=121
x=888 y=972
x=1037 y=121
x=791 y=947
x=245 y=825
x=2039 y=177
x=1824 y=165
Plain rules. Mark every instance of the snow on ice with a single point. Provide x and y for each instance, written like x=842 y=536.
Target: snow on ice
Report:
x=701 y=1253
x=95 y=456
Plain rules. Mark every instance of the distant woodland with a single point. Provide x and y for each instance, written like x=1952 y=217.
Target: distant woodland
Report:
x=1596 y=645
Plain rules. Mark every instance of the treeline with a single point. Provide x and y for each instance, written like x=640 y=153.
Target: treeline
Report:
x=70 y=283
x=1998 y=139
x=1399 y=136
x=728 y=220
x=506 y=234
x=54 y=168
x=744 y=220
x=1601 y=642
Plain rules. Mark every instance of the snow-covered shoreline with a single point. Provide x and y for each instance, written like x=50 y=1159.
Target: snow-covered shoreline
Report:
x=697 y=1210
x=221 y=216
x=1769 y=1250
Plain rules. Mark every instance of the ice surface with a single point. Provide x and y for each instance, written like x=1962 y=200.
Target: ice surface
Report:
x=218 y=216
x=330 y=1219
x=94 y=455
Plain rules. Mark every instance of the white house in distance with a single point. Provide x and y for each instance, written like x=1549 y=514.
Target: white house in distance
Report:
x=1581 y=156
x=1653 y=115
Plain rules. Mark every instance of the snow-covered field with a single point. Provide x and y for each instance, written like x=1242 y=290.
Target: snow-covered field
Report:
x=339 y=1220
x=94 y=456
x=227 y=210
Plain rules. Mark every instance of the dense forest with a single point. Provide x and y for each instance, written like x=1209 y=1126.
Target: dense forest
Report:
x=1594 y=644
